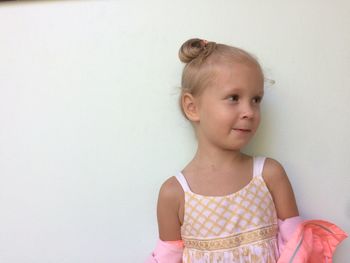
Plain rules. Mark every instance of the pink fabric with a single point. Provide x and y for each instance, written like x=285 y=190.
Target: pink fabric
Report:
x=313 y=241
x=167 y=252
x=299 y=241
x=177 y=243
x=286 y=229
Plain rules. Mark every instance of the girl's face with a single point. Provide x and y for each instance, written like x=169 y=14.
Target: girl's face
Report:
x=229 y=108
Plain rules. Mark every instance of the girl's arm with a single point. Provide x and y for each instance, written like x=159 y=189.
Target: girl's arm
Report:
x=319 y=238
x=168 y=209
x=169 y=247
x=280 y=188
x=282 y=193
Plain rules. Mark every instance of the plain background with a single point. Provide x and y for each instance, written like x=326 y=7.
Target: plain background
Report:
x=90 y=125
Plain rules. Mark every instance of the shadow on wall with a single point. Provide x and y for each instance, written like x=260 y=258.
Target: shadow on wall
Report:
x=11 y=2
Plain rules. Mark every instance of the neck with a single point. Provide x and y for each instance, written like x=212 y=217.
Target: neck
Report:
x=216 y=159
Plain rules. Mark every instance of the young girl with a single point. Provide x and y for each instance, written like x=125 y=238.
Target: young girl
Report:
x=224 y=205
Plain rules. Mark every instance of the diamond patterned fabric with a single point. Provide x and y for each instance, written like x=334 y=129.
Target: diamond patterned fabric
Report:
x=240 y=227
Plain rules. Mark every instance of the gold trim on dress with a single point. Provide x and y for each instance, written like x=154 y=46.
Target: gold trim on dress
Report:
x=232 y=241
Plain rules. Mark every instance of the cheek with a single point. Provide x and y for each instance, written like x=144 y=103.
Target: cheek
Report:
x=226 y=118
x=214 y=114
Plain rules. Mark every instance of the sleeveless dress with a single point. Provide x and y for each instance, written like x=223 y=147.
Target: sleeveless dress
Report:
x=239 y=227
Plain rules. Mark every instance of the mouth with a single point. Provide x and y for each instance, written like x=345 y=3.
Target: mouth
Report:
x=242 y=130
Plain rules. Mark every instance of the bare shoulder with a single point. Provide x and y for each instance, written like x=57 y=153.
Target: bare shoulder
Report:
x=169 y=202
x=280 y=188
x=170 y=191
x=273 y=172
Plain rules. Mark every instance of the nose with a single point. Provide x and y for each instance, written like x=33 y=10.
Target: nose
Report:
x=247 y=111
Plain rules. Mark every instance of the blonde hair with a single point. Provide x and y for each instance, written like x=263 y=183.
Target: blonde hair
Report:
x=201 y=58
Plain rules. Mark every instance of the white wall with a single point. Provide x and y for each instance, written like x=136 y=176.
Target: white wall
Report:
x=90 y=126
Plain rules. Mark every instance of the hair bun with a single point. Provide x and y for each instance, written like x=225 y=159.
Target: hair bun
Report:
x=192 y=48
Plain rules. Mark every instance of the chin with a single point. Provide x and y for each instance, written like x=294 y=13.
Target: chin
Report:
x=238 y=146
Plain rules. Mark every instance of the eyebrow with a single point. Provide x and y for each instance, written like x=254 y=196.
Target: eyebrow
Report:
x=238 y=90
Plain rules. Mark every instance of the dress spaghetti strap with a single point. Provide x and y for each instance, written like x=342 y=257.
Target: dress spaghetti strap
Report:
x=182 y=180
x=258 y=166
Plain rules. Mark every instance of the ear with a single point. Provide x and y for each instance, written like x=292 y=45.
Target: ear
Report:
x=190 y=106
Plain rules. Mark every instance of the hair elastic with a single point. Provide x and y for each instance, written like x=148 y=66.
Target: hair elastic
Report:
x=205 y=42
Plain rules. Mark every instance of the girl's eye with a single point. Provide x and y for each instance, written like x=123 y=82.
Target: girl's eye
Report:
x=234 y=98
x=257 y=99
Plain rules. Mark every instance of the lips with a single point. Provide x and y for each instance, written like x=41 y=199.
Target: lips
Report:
x=242 y=130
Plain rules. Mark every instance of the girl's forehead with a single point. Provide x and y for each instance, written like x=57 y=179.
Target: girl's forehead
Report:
x=238 y=77
x=237 y=70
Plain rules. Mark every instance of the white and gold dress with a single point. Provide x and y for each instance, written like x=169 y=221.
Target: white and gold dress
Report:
x=239 y=227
